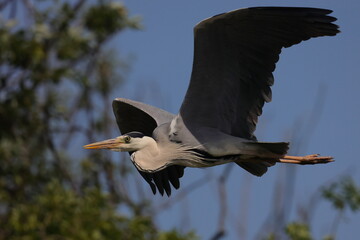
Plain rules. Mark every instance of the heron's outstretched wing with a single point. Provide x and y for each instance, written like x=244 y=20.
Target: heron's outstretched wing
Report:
x=136 y=116
x=234 y=57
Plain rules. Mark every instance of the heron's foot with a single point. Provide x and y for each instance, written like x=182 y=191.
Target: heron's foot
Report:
x=308 y=159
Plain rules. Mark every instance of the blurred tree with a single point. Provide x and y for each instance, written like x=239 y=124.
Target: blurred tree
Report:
x=342 y=194
x=56 y=74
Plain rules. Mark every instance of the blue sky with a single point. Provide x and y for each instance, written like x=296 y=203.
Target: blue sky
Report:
x=325 y=69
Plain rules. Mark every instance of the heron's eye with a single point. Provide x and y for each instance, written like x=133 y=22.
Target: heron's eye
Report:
x=127 y=139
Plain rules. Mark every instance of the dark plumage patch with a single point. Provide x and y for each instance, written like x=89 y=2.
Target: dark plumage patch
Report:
x=161 y=179
x=135 y=134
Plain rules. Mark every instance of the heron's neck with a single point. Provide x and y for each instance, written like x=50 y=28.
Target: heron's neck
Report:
x=146 y=158
x=148 y=148
x=151 y=157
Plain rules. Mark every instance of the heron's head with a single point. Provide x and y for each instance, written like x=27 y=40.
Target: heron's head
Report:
x=130 y=142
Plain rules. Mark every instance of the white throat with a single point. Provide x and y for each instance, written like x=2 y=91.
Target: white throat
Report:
x=147 y=157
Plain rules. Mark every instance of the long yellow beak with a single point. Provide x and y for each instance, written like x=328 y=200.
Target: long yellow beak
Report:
x=107 y=144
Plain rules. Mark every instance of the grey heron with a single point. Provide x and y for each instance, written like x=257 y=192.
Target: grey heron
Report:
x=234 y=56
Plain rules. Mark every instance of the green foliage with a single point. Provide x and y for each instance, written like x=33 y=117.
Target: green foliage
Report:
x=60 y=213
x=56 y=74
x=106 y=19
x=298 y=231
x=271 y=236
x=343 y=194
x=174 y=235
x=329 y=237
x=72 y=45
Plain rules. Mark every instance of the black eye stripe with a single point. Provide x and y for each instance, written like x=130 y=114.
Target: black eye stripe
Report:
x=135 y=134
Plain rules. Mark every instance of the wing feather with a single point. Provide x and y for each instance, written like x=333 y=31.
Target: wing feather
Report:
x=234 y=57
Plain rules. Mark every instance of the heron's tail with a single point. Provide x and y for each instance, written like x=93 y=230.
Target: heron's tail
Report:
x=267 y=151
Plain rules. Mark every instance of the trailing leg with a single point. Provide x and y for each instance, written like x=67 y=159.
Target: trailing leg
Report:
x=308 y=159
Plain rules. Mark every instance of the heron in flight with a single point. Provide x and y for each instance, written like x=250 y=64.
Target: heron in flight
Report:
x=234 y=57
